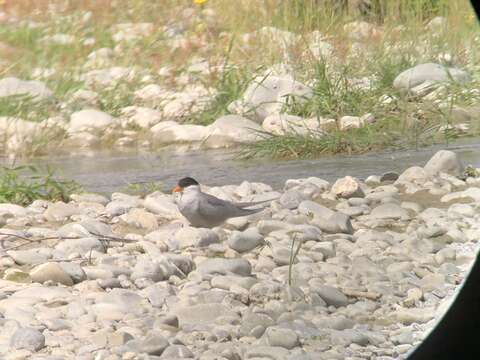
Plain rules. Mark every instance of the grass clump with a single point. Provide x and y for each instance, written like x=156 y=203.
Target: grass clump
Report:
x=24 y=184
x=26 y=107
x=114 y=99
x=315 y=143
x=229 y=88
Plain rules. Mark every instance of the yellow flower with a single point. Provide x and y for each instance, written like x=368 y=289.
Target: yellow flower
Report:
x=199 y=2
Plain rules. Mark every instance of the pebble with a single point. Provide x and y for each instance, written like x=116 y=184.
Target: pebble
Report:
x=246 y=240
x=50 y=271
x=284 y=338
x=241 y=267
x=331 y=295
x=27 y=338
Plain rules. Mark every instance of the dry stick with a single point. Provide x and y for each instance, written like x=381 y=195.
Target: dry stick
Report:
x=106 y=238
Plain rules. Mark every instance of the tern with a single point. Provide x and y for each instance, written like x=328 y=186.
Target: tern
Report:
x=205 y=210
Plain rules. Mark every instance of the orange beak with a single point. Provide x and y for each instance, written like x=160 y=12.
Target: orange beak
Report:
x=177 y=189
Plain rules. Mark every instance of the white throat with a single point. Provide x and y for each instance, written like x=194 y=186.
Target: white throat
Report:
x=192 y=189
x=189 y=194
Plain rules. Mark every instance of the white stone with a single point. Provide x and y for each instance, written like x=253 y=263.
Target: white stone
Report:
x=351 y=122
x=444 y=161
x=281 y=124
x=13 y=210
x=12 y=86
x=189 y=236
x=163 y=205
x=318 y=47
x=267 y=95
x=142 y=117
x=231 y=129
x=109 y=76
x=59 y=39
x=168 y=132
x=347 y=187
x=428 y=72
x=150 y=92
x=360 y=30
x=89 y=120
x=51 y=271
x=131 y=31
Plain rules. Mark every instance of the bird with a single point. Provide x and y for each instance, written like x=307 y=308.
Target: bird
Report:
x=205 y=210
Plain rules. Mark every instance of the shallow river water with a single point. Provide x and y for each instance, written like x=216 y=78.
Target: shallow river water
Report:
x=111 y=171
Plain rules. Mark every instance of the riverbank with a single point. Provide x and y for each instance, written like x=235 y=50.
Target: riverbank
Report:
x=209 y=77
x=120 y=277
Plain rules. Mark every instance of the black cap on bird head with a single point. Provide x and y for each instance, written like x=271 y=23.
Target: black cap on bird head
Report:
x=187 y=181
x=184 y=183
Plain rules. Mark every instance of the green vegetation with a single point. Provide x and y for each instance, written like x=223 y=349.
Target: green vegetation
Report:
x=293 y=257
x=230 y=87
x=293 y=145
x=470 y=171
x=24 y=184
x=113 y=100
x=26 y=108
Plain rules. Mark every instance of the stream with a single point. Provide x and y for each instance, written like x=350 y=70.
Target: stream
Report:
x=108 y=171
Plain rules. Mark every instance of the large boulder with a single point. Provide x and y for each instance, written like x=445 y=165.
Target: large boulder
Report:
x=429 y=72
x=267 y=95
x=444 y=161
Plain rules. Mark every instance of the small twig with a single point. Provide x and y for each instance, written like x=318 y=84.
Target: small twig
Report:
x=103 y=238
x=362 y=294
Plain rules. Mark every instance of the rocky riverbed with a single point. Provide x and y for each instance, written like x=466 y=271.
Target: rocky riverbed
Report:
x=123 y=277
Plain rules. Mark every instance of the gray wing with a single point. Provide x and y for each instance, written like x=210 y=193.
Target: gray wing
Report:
x=218 y=210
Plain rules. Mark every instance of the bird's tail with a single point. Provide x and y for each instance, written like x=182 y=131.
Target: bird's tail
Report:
x=249 y=204
x=246 y=212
